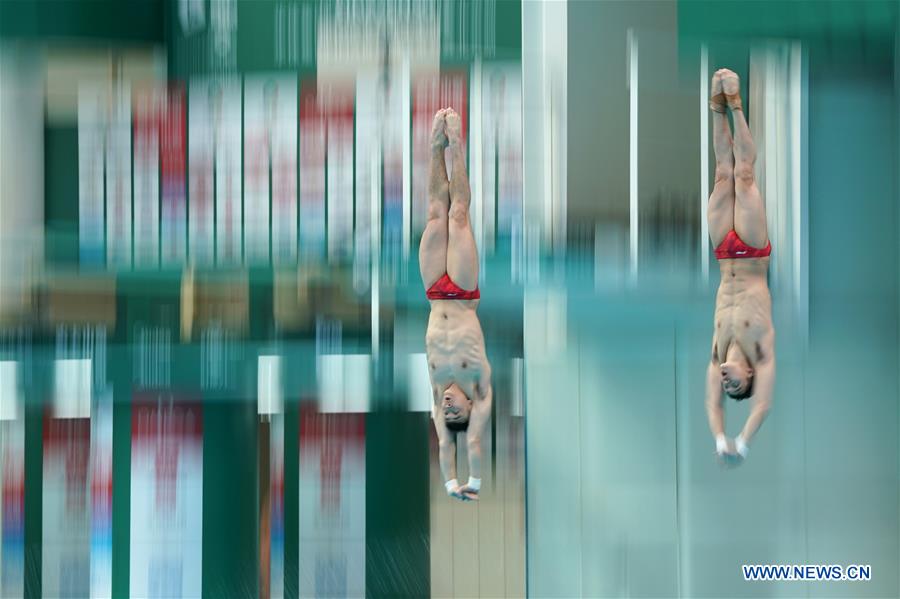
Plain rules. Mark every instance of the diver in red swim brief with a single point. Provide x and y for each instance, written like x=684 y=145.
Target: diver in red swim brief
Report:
x=454 y=343
x=445 y=289
x=733 y=248
x=742 y=363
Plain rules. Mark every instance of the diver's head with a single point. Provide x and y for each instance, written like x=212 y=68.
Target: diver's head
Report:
x=737 y=378
x=456 y=407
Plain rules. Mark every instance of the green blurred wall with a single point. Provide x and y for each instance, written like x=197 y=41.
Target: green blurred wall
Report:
x=97 y=20
x=396 y=446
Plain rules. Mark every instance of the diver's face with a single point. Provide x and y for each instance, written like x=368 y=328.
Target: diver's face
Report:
x=456 y=405
x=735 y=377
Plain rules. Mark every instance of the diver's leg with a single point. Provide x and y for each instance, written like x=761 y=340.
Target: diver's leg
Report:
x=720 y=208
x=462 y=254
x=749 y=207
x=433 y=246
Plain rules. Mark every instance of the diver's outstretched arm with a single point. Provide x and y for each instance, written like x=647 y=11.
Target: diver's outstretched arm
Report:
x=714 y=411
x=725 y=447
x=478 y=423
x=763 y=388
x=446 y=448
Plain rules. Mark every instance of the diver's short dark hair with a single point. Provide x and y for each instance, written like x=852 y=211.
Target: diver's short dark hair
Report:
x=748 y=392
x=456 y=426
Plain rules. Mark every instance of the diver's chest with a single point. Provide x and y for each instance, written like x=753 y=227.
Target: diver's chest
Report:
x=740 y=318
x=452 y=353
x=735 y=325
x=453 y=368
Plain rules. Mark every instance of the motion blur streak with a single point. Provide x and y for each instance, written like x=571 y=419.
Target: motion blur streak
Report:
x=212 y=368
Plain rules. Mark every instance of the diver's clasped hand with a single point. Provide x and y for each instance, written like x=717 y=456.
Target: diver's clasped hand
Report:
x=466 y=492
x=731 y=453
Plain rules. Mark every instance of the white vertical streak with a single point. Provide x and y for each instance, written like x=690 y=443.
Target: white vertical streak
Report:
x=561 y=77
x=418 y=384
x=9 y=390
x=407 y=159
x=633 y=151
x=532 y=127
x=800 y=188
x=269 y=395
x=365 y=135
x=794 y=114
x=375 y=237
x=549 y=571
x=475 y=161
x=769 y=164
x=357 y=376
x=546 y=121
x=72 y=388
x=704 y=162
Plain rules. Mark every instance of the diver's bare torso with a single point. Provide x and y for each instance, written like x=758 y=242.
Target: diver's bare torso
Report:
x=743 y=310
x=454 y=346
x=454 y=343
x=742 y=361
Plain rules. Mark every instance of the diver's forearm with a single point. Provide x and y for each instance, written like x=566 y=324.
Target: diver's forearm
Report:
x=757 y=416
x=762 y=398
x=447 y=460
x=716 y=420
x=714 y=411
x=474 y=449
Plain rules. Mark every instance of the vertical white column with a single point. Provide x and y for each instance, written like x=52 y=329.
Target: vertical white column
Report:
x=269 y=394
x=343 y=383
x=405 y=124
x=365 y=142
x=799 y=187
x=704 y=161
x=476 y=177
x=118 y=176
x=72 y=388
x=633 y=153
x=556 y=32
x=555 y=538
x=10 y=397
x=418 y=383
x=544 y=59
x=547 y=123
x=778 y=122
x=769 y=96
x=375 y=238
x=21 y=171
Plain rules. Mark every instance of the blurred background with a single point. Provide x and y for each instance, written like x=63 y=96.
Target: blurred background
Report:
x=212 y=371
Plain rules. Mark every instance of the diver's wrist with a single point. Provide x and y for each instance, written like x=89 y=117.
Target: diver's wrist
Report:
x=740 y=445
x=721 y=444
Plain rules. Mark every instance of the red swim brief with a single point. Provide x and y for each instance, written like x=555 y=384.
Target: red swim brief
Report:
x=445 y=289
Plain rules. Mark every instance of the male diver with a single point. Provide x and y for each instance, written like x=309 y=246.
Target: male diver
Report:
x=742 y=364
x=454 y=343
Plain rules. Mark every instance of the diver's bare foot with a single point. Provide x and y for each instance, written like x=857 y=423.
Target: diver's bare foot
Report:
x=439 y=139
x=731 y=86
x=716 y=95
x=454 y=127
